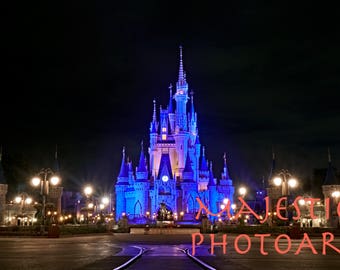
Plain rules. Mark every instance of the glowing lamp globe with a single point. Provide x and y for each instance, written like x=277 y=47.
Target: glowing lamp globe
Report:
x=292 y=182
x=277 y=181
x=36 y=181
x=54 y=180
x=28 y=200
x=105 y=200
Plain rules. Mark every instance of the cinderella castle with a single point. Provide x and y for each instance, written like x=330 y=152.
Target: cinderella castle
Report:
x=176 y=171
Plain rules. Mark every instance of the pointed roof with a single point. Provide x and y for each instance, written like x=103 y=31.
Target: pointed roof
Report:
x=170 y=107
x=181 y=83
x=211 y=176
x=165 y=166
x=225 y=167
x=181 y=76
x=204 y=165
x=142 y=164
x=188 y=167
x=330 y=178
x=197 y=141
x=123 y=168
x=153 y=128
x=2 y=177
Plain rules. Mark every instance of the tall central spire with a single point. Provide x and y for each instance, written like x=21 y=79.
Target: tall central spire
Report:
x=181 y=97
x=181 y=83
x=181 y=70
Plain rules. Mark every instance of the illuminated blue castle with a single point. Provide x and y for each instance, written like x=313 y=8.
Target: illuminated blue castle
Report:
x=178 y=171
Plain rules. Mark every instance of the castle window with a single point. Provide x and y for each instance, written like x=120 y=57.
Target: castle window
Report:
x=163 y=129
x=163 y=137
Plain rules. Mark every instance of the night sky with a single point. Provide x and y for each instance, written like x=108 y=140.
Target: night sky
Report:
x=83 y=76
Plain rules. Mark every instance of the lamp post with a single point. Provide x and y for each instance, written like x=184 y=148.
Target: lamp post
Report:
x=48 y=176
x=88 y=190
x=285 y=180
x=23 y=199
x=242 y=191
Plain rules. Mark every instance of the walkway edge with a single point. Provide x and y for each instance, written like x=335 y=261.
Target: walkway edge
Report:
x=140 y=253
x=206 y=266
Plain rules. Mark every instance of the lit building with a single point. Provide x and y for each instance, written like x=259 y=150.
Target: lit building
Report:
x=176 y=171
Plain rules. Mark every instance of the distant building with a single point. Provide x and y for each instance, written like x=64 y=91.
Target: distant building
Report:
x=3 y=192
x=331 y=190
x=178 y=171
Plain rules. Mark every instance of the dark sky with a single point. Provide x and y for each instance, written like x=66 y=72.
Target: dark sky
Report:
x=83 y=75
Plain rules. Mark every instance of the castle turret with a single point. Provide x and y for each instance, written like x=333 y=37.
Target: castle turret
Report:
x=141 y=171
x=192 y=118
x=226 y=184
x=130 y=172
x=142 y=184
x=120 y=188
x=153 y=140
x=164 y=124
x=172 y=117
x=213 y=195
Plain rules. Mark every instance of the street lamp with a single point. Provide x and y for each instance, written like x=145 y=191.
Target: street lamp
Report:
x=48 y=176
x=22 y=200
x=242 y=191
x=88 y=190
x=285 y=180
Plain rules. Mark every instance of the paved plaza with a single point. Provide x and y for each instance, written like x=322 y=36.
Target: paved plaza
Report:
x=163 y=252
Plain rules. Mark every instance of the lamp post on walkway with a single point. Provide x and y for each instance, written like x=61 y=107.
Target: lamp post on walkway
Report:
x=48 y=176
x=285 y=180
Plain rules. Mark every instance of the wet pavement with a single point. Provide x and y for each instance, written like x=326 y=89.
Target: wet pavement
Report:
x=109 y=251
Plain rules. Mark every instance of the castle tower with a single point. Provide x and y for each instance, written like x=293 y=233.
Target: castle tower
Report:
x=226 y=184
x=203 y=177
x=181 y=129
x=171 y=114
x=3 y=191
x=121 y=186
x=177 y=174
x=142 y=185
x=331 y=189
x=154 y=158
x=213 y=195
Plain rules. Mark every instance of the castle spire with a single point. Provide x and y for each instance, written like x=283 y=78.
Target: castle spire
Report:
x=211 y=176
x=170 y=107
x=154 y=111
x=329 y=156
x=192 y=105
x=153 y=127
x=225 y=167
x=204 y=164
x=123 y=168
x=181 y=70
x=141 y=165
